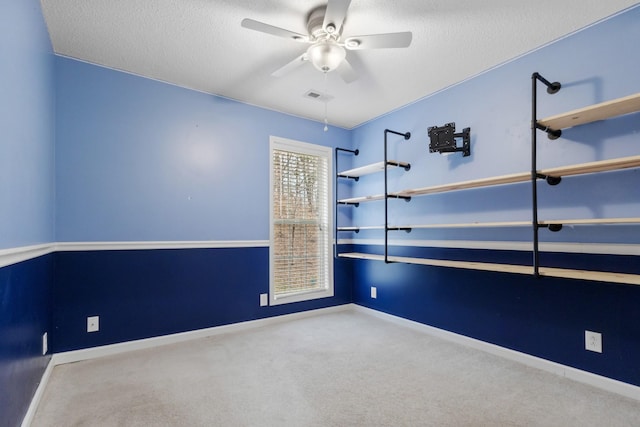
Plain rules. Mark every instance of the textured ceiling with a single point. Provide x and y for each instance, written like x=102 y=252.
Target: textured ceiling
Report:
x=199 y=44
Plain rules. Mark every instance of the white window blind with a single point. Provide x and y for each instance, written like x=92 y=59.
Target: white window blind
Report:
x=301 y=226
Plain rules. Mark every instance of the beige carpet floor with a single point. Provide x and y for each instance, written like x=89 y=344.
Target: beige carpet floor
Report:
x=337 y=369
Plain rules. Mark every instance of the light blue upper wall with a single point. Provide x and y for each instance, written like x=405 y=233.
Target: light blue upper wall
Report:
x=27 y=126
x=596 y=64
x=141 y=160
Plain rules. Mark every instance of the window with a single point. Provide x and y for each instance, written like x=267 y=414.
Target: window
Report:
x=300 y=253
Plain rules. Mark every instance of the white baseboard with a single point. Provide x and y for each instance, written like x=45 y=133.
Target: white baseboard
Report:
x=108 y=350
x=578 y=375
x=33 y=406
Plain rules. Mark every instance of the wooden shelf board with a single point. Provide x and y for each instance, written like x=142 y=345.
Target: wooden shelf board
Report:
x=368 y=227
x=565 y=222
x=599 y=276
x=372 y=168
x=519 y=269
x=591 y=167
x=593 y=221
x=362 y=199
x=592 y=113
x=475 y=183
x=472 y=225
x=578 y=169
x=498 y=224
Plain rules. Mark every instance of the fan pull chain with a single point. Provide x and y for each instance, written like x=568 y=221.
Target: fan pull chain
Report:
x=326 y=121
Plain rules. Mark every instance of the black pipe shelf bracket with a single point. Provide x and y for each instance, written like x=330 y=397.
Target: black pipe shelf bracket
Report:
x=406 y=137
x=338 y=203
x=398 y=196
x=354 y=152
x=551 y=133
x=552 y=88
x=407 y=229
x=443 y=139
x=405 y=166
x=551 y=180
x=356 y=204
x=551 y=227
x=355 y=178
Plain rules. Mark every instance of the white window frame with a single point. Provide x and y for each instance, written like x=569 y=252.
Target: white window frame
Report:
x=277 y=143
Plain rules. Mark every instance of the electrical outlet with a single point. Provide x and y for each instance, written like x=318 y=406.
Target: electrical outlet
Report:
x=593 y=341
x=374 y=292
x=93 y=324
x=45 y=345
x=264 y=300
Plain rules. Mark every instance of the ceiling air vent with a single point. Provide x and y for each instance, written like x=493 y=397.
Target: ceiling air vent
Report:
x=317 y=95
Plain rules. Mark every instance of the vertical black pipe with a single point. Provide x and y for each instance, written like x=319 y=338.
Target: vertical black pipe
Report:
x=406 y=136
x=335 y=218
x=534 y=172
x=386 y=203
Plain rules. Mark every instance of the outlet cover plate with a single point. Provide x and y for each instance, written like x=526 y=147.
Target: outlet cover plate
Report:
x=374 y=292
x=264 y=300
x=593 y=341
x=93 y=323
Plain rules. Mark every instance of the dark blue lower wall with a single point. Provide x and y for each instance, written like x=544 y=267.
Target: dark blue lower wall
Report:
x=146 y=293
x=25 y=314
x=543 y=317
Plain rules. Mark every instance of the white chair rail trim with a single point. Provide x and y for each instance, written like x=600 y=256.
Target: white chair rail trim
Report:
x=24 y=253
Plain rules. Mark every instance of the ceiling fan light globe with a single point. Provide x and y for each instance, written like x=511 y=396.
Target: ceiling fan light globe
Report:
x=326 y=55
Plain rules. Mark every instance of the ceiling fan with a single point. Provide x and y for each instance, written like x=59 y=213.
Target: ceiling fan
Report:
x=328 y=48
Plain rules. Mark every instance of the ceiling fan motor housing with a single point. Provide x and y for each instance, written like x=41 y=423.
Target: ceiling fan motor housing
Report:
x=315 y=23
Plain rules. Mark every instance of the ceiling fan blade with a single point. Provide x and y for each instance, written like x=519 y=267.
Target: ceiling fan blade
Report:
x=270 y=29
x=347 y=72
x=335 y=14
x=290 y=66
x=379 y=41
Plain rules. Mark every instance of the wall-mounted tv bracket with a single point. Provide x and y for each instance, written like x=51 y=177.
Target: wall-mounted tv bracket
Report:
x=355 y=153
x=443 y=139
x=406 y=136
x=552 y=134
